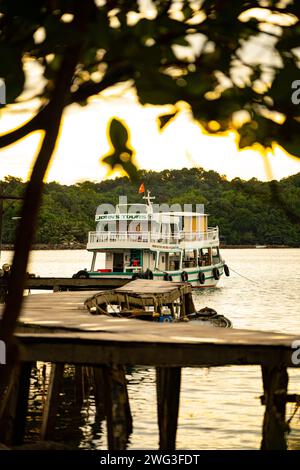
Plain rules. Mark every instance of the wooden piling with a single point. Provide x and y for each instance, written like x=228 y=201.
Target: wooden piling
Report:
x=52 y=401
x=3 y=292
x=182 y=307
x=189 y=304
x=275 y=382
x=98 y=388
x=168 y=381
x=22 y=403
x=79 y=386
x=13 y=420
x=117 y=408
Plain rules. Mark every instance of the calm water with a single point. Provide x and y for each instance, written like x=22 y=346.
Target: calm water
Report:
x=219 y=407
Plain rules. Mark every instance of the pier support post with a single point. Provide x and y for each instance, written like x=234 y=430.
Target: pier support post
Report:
x=51 y=405
x=189 y=304
x=79 y=386
x=22 y=403
x=14 y=416
x=168 y=381
x=275 y=382
x=98 y=387
x=117 y=408
x=3 y=292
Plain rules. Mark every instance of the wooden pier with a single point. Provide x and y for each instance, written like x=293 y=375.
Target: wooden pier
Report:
x=58 y=328
x=57 y=284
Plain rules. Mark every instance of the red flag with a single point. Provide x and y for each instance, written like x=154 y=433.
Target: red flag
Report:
x=142 y=188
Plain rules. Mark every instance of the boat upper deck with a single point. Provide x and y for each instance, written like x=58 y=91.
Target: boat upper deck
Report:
x=153 y=240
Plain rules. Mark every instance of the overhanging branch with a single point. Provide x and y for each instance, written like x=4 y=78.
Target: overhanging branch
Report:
x=34 y=124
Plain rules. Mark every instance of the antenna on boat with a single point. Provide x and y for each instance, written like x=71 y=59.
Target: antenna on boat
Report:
x=149 y=198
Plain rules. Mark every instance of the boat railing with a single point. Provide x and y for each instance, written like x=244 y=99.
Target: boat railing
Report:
x=138 y=237
x=212 y=234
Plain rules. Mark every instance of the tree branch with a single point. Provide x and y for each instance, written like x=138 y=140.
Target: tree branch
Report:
x=39 y=121
x=33 y=196
x=89 y=89
x=34 y=124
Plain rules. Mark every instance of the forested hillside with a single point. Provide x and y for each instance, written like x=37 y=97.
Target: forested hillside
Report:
x=244 y=210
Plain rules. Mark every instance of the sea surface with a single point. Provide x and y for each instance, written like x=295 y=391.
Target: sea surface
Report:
x=219 y=407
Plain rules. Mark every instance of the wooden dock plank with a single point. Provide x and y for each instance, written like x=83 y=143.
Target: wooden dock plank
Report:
x=107 y=348
x=57 y=327
x=49 y=283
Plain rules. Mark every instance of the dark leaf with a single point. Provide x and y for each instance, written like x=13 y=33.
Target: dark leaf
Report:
x=164 y=119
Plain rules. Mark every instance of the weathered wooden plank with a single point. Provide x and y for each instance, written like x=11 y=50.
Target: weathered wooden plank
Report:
x=47 y=283
x=150 y=286
x=142 y=292
x=99 y=348
x=52 y=401
x=168 y=381
x=275 y=382
x=117 y=409
x=66 y=310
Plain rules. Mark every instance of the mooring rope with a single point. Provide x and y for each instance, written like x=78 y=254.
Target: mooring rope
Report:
x=245 y=277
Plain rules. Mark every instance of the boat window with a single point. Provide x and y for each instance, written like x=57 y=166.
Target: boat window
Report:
x=204 y=257
x=174 y=262
x=189 y=259
x=215 y=255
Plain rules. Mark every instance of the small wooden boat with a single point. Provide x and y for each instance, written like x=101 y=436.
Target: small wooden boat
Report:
x=160 y=301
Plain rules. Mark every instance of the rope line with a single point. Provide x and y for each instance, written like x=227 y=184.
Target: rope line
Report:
x=245 y=277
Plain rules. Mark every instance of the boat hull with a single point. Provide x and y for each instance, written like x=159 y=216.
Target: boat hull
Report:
x=176 y=276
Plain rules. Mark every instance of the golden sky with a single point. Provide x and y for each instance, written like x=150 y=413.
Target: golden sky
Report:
x=182 y=144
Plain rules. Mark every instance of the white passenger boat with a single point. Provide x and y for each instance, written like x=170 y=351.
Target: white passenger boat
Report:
x=176 y=246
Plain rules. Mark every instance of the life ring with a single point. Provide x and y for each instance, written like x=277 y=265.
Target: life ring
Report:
x=226 y=270
x=167 y=277
x=216 y=274
x=184 y=276
x=149 y=274
x=201 y=277
x=82 y=274
x=167 y=319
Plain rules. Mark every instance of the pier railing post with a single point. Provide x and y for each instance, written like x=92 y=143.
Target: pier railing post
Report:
x=168 y=380
x=275 y=382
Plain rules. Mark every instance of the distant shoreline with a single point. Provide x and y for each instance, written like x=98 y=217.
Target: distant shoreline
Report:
x=82 y=246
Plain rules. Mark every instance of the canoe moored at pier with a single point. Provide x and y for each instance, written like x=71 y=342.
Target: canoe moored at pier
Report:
x=141 y=242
